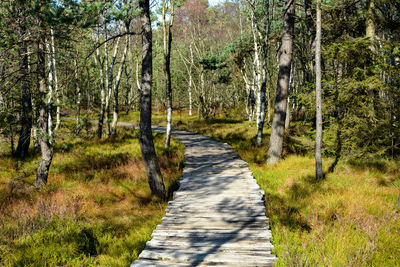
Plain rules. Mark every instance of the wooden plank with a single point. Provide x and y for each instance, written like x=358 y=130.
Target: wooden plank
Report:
x=217 y=217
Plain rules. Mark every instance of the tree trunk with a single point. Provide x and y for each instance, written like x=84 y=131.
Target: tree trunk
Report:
x=146 y=137
x=45 y=144
x=264 y=49
x=78 y=98
x=190 y=80
x=291 y=85
x=278 y=121
x=127 y=90
x=167 y=39
x=55 y=81
x=50 y=91
x=116 y=85
x=110 y=80
x=26 y=104
x=102 y=94
x=370 y=23
x=318 y=136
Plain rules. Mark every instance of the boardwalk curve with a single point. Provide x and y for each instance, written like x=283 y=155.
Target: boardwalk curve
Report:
x=217 y=217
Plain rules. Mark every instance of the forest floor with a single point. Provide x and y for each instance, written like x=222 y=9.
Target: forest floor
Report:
x=348 y=219
x=96 y=209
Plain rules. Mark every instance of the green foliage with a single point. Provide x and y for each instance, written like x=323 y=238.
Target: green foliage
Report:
x=59 y=241
x=97 y=209
x=349 y=218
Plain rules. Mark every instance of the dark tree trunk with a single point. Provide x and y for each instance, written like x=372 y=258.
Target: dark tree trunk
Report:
x=318 y=89
x=168 y=87
x=103 y=95
x=278 y=122
x=45 y=144
x=264 y=47
x=26 y=104
x=146 y=137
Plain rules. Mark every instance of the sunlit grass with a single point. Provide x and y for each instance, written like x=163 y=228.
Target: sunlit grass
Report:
x=348 y=219
x=97 y=208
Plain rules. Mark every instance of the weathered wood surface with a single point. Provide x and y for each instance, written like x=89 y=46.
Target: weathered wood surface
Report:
x=217 y=217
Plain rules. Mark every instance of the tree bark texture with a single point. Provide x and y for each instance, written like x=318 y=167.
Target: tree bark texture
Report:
x=78 y=98
x=318 y=136
x=264 y=49
x=167 y=36
x=110 y=72
x=370 y=23
x=278 y=121
x=26 y=104
x=43 y=126
x=55 y=79
x=116 y=86
x=127 y=90
x=146 y=137
x=97 y=60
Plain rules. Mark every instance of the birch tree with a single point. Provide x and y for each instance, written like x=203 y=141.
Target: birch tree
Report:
x=116 y=84
x=55 y=80
x=263 y=107
x=100 y=65
x=318 y=136
x=167 y=42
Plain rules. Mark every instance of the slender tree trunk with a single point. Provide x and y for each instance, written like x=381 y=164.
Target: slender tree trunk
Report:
x=167 y=38
x=78 y=98
x=278 y=122
x=116 y=85
x=26 y=104
x=45 y=143
x=110 y=85
x=127 y=90
x=191 y=80
x=55 y=81
x=264 y=50
x=102 y=94
x=291 y=84
x=146 y=137
x=256 y=69
x=50 y=90
x=318 y=136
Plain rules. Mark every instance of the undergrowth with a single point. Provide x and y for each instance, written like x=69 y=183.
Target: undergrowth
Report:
x=97 y=208
x=348 y=219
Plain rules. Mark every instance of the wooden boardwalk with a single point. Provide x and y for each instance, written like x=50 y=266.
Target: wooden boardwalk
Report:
x=217 y=217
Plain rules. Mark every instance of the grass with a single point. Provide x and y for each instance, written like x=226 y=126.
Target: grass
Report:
x=348 y=219
x=97 y=208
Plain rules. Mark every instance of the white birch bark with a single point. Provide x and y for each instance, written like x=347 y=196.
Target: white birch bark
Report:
x=190 y=80
x=50 y=92
x=116 y=85
x=97 y=61
x=55 y=79
x=78 y=97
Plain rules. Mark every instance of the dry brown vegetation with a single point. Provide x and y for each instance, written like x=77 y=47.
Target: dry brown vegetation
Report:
x=96 y=209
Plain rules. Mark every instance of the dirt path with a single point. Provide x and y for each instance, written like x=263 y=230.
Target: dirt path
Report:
x=217 y=217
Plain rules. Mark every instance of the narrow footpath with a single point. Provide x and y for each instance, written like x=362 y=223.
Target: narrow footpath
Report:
x=217 y=217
